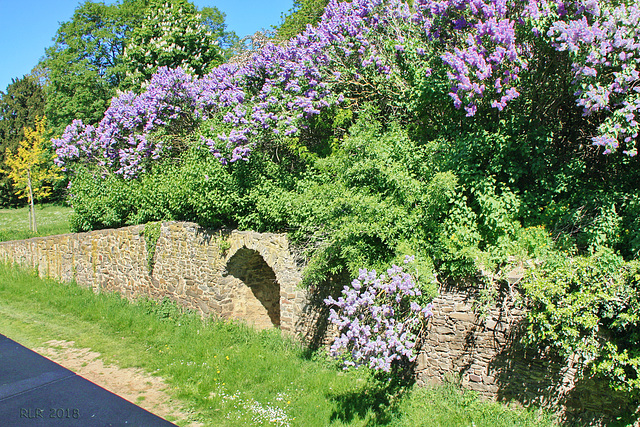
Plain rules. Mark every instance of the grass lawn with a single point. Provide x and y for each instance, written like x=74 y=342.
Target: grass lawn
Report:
x=227 y=373
x=51 y=219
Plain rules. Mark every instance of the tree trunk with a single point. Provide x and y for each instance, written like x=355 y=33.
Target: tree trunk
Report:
x=32 y=209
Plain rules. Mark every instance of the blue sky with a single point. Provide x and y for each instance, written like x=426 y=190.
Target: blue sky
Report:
x=27 y=27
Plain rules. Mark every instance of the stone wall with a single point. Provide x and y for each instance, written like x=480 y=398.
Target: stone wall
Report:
x=233 y=274
x=254 y=277
x=483 y=353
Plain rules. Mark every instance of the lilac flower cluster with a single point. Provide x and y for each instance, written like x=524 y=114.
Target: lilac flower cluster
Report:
x=482 y=52
x=122 y=140
x=379 y=319
x=604 y=43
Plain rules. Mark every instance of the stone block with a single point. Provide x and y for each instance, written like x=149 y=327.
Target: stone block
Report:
x=490 y=324
x=443 y=330
x=515 y=275
x=193 y=293
x=462 y=307
x=463 y=316
x=488 y=379
x=475 y=378
x=204 y=308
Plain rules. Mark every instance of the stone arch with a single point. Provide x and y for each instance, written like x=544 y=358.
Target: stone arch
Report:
x=274 y=251
x=257 y=298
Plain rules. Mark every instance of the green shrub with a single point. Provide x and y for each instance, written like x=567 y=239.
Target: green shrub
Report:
x=588 y=306
x=194 y=188
x=98 y=201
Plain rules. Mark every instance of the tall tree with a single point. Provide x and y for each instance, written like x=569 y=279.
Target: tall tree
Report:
x=22 y=103
x=86 y=65
x=31 y=167
x=173 y=34
x=214 y=20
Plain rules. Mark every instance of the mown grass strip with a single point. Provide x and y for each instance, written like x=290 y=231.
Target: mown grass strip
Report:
x=51 y=219
x=228 y=373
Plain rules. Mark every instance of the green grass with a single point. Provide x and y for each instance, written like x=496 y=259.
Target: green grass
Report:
x=51 y=220
x=228 y=373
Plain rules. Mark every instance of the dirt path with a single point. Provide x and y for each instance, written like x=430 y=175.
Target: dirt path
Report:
x=134 y=385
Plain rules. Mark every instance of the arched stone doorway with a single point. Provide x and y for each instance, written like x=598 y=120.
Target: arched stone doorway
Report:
x=257 y=299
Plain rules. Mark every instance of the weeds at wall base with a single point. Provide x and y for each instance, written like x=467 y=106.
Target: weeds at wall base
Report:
x=151 y=235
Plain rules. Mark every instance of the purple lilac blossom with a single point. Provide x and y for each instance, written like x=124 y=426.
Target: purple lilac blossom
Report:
x=282 y=86
x=379 y=319
x=604 y=43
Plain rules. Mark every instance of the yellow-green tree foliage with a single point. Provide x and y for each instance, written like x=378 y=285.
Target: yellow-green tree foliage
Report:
x=31 y=168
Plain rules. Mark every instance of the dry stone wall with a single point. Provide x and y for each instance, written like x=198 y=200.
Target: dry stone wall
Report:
x=480 y=347
x=254 y=277
x=233 y=274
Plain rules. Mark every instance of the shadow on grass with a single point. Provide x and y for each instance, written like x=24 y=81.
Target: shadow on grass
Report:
x=377 y=402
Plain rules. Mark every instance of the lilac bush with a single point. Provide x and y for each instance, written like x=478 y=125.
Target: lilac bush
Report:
x=270 y=95
x=491 y=46
x=604 y=43
x=362 y=48
x=123 y=140
x=483 y=56
x=282 y=86
x=380 y=319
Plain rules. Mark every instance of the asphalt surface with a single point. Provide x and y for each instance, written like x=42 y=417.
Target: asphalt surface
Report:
x=34 y=391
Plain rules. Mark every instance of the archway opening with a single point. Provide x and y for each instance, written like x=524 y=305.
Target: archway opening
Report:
x=258 y=297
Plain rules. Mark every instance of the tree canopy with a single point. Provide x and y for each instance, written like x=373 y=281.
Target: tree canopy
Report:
x=31 y=167
x=86 y=65
x=173 y=34
x=22 y=103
